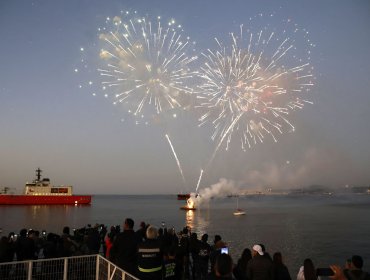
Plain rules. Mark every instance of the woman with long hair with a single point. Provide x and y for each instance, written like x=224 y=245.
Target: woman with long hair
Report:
x=307 y=271
x=240 y=270
x=279 y=269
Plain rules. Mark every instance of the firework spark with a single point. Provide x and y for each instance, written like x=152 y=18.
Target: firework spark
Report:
x=146 y=65
x=176 y=158
x=249 y=89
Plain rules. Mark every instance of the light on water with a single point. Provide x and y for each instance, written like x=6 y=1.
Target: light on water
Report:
x=328 y=229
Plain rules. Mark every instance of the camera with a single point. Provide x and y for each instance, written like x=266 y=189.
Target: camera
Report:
x=327 y=271
x=224 y=250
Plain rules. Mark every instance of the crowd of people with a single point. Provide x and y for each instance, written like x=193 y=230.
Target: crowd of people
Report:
x=162 y=253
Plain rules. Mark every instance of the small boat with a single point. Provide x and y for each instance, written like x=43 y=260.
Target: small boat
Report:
x=238 y=212
x=41 y=192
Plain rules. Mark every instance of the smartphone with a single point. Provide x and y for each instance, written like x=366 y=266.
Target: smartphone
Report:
x=327 y=271
x=224 y=250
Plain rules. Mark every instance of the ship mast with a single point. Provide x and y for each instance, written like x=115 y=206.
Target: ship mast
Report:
x=38 y=174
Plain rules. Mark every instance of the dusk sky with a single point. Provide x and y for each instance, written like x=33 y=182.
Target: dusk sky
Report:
x=51 y=118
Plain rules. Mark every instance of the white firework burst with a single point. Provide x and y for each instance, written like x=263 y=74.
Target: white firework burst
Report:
x=249 y=88
x=146 y=65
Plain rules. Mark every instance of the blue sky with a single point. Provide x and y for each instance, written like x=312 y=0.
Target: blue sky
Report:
x=47 y=121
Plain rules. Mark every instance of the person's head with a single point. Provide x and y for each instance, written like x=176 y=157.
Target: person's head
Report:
x=151 y=232
x=31 y=233
x=223 y=265
x=277 y=258
x=309 y=270
x=217 y=238
x=129 y=224
x=205 y=237
x=193 y=236
x=247 y=254
x=23 y=232
x=257 y=250
x=185 y=230
x=171 y=231
x=66 y=230
x=357 y=262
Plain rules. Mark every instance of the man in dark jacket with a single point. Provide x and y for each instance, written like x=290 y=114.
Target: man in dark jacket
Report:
x=123 y=252
x=203 y=256
x=354 y=270
x=150 y=256
x=24 y=247
x=259 y=267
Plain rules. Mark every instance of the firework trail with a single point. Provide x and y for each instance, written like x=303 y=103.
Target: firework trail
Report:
x=200 y=178
x=249 y=89
x=176 y=158
x=146 y=65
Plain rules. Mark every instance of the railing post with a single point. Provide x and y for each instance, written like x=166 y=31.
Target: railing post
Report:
x=29 y=274
x=97 y=266
x=72 y=267
x=108 y=272
x=65 y=272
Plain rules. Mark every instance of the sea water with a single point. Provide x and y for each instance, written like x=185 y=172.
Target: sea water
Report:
x=326 y=228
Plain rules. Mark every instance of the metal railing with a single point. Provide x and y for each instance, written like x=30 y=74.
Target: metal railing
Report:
x=91 y=267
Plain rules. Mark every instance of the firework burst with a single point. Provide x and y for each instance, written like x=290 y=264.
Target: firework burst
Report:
x=249 y=88
x=146 y=65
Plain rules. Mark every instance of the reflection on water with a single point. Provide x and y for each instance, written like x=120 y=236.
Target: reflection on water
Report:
x=50 y=217
x=189 y=219
x=197 y=221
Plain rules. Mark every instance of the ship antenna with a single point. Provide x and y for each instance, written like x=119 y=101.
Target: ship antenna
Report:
x=38 y=174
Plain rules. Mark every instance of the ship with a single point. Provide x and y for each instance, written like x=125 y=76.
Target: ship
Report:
x=183 y=196
x=41 y=192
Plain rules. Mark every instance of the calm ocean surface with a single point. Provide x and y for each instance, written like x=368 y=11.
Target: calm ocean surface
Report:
x=327 y=229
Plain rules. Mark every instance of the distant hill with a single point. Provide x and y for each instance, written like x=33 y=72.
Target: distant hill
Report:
x=316 y=189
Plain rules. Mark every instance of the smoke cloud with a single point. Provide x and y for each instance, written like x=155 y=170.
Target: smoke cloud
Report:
x=315 y=166
x=221 y=189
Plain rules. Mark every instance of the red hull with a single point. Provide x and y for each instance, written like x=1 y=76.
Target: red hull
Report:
x=183 y=196
x=187 y=208
x=9 y=199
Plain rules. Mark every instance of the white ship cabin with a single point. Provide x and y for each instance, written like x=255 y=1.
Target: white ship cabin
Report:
x=45 y=188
